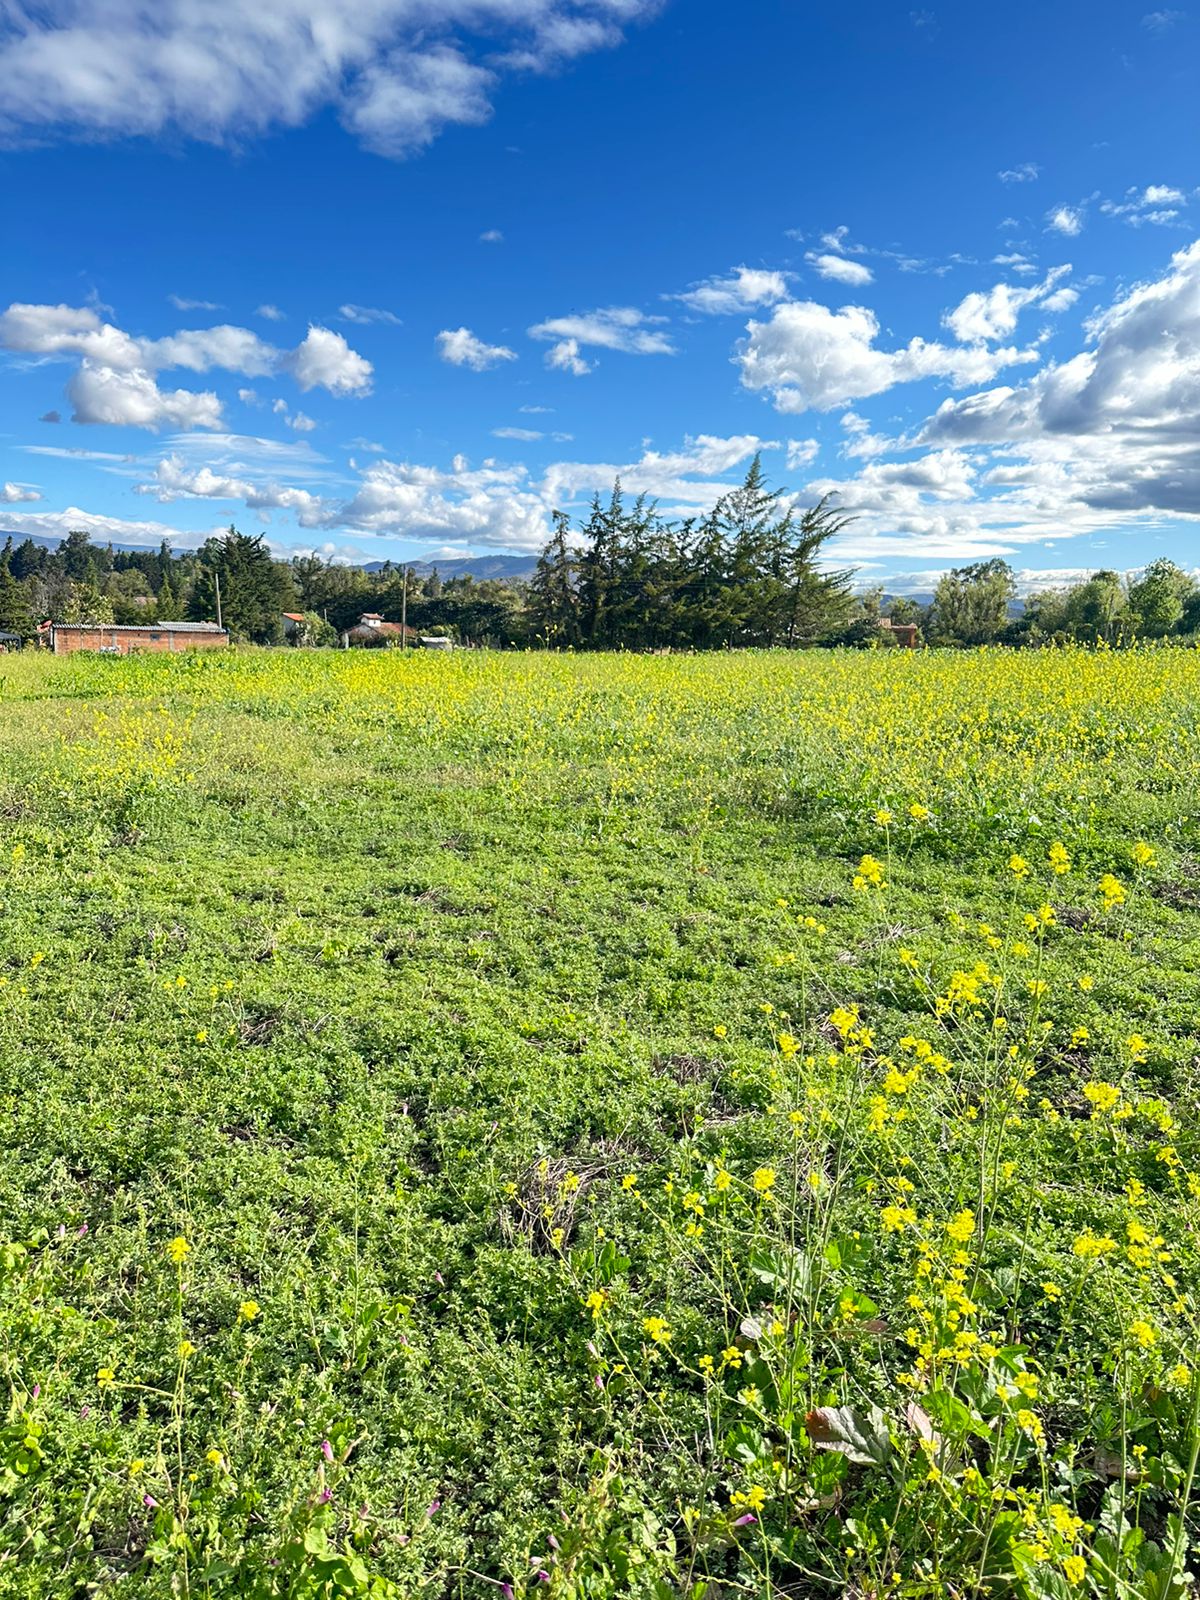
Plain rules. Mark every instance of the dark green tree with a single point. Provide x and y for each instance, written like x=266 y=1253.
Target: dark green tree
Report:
x=254 y=589
x=553 y=599
x=16 y=615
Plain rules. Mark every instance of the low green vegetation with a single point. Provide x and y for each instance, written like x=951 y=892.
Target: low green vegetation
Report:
x=518 y=1124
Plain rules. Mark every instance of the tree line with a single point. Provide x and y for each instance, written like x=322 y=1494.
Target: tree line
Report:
x=750 y=572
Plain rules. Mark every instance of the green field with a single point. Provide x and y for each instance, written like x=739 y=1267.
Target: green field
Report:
x=663 y=1127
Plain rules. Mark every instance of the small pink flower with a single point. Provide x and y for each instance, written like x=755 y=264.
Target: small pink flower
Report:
x=743 y=1521
x=437 y=1278
x=36 y=1391
x=84 y=1411
x=506 y=1589
x=434 y=1505
x=327 y=1449
x=149 y=1501
x=326 y=1496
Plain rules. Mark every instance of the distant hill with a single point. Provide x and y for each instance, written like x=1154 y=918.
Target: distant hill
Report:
x=507 y=567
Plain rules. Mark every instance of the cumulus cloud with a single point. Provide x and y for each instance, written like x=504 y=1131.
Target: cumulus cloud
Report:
x=1067 y=220
x=491 y=236
x=523 y=435
x=740 y=290
x=395 y=73
x=808 y=357
x=131 y=398
x=839 y=269
x=613 y=328
x=12 y=494
x=1025 y=173
x=802 y=453
x=565 y=357
x=117 y=379
x=323 y=360
x=175 y=480
x=1119 y=423
x=461 y=348
x=992 y=314
x=270 y=312
x=1105 y=439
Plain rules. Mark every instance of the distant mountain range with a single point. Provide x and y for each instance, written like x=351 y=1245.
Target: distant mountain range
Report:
x=509 y=567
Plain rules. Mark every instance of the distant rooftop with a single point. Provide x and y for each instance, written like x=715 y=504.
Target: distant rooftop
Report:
x=140 y=627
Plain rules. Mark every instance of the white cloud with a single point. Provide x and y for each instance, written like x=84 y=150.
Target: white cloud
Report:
x=174 y=480
x=1158 y=204
x=989 y=315
x=490 y=505
x=740 y=290
x=394 y=72
x=116 y=381
x=491 y=236
x=123 y=530
x=1161 y=194
x=131 y=398
x=201 y=349
x=1116 y=427
x=1025 y=173
x=366 y=314
x=682 y=481
x=12 y=494
x=802 y=453
x=1015 y=262
x=811 y=358
x=1108 y=439
x=181 y=304
x=270 y=312
x=404 y=100
x=300 y=423
x=565 y=357
x=1162 y=21
x=461 y=348
x=1067 y=220
x=324 y=360
x=839 y=269
x=524 y=435
x=613 y=328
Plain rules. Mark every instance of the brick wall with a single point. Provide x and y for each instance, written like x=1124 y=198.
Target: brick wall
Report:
x=124 y=640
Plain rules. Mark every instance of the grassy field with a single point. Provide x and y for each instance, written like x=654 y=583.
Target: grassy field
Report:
x=516 y=1125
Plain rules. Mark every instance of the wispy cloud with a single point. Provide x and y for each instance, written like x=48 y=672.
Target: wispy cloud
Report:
x=461 y=348
x=366 y=314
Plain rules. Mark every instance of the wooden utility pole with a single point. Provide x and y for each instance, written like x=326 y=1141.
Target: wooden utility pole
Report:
x=404 y=613
x=217 y=582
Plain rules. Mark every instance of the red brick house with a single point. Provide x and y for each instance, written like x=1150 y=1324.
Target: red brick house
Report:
x=114 y=640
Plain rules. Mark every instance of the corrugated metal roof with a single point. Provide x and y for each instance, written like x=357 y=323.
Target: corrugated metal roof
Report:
x=138 y=627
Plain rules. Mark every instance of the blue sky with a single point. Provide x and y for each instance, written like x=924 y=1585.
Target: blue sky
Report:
x=400 y=278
